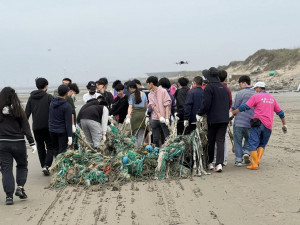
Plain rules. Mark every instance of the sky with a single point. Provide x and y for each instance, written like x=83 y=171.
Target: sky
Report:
x=86 y=40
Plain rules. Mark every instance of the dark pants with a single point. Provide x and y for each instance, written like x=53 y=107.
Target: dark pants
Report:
x=43 y=142
x=180 y=127
x=190 y=129
x=59 y=143
x=8 y=152
x=156 y=125
x=216 y=134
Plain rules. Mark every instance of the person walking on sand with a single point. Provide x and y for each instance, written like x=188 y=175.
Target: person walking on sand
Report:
x=215 y=105
x=264 y=106
x=241 y=125
x=222 y=77
x=60 y=121
x=13 y=126
x=38 y=106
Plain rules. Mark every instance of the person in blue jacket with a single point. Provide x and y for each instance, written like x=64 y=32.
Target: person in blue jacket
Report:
x=60 y=121
x=192 y=104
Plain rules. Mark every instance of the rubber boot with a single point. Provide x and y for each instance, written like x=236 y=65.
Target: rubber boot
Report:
x=254 y=158
x=260 y=152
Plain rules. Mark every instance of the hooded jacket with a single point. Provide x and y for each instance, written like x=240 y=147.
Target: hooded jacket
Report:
x=193 y=103
x=180 y=96
x=14 y=130
x=215 y=103
x=38 y=105
x=60 y=117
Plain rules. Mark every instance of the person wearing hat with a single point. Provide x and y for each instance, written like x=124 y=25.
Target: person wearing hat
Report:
x=91 y=87
x=215 y=105
x=264 y=106
x=60 y=121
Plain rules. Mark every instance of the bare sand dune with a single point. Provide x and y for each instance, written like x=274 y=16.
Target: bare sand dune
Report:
x=237 y=196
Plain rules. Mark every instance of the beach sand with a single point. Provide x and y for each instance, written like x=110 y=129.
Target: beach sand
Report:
x=269 y=195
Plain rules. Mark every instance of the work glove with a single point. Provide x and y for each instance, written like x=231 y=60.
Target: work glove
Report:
x=284 y=129
x=147 y=121
x=199 y=118
x=186 y=123
x=104 y=137
x=176 y=117
x=172 y=119
x=33 y=148
x=69 y=140
x=162 y=120
x=127 y=121
x=167 y=122
x=73 y=128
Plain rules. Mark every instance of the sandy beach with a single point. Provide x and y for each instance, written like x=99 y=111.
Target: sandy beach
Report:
x=269 y=195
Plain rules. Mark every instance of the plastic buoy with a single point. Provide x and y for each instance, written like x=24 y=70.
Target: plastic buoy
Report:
x=148 y=148
x=272 y=73
x=156 y=149
x=125 y=159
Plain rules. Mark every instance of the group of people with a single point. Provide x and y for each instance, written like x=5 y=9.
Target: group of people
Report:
x=158 y=106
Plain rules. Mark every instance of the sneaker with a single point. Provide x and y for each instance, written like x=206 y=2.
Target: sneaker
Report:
x=225 y=163
x=238 y=164
x=210 y=166
x=218 y=168
x=20 y=192
x=246 y=158
x=9 y=201
x=46 y=171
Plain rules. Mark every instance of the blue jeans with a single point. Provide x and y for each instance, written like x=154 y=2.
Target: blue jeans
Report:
x=240 y=133
x=259 y=137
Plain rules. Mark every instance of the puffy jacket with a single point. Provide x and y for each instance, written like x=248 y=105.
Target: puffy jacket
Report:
x=60 y=117
x=192 y=104
x=38 y=105
x=215 y=103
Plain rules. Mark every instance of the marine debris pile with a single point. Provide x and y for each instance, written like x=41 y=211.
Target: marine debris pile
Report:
x=119 y=160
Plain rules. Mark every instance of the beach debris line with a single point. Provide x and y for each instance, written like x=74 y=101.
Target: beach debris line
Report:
x=118 y=160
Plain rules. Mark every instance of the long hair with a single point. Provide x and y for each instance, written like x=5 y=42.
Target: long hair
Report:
x=9 y=98
x=137 y=93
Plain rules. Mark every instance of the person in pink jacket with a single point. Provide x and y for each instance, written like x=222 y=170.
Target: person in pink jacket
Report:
x=160 y=103
x=264 y=106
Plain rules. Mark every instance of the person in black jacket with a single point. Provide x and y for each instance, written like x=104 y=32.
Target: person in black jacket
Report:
x=13 y=126
x=120 y=104
x=38 y=105
x=60 y=121
x=192 y=104
x=180 y=96
x=93 y=119
x=102 y=87
x=216 y=106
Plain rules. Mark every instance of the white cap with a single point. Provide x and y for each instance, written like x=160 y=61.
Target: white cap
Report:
x=259 y=84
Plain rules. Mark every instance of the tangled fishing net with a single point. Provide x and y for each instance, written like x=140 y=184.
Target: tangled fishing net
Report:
x=119 y=160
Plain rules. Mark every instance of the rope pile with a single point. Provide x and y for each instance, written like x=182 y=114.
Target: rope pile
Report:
x=119 y=160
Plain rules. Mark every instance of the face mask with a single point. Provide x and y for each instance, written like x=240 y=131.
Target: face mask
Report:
x=92 y=92
x=73 y=95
